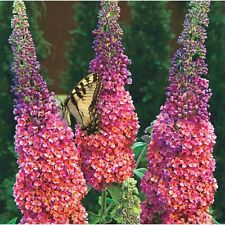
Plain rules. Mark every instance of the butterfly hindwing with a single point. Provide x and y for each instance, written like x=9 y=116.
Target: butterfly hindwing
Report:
x=82 y=102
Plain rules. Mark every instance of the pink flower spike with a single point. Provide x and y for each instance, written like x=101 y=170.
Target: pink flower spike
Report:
x=50 y=184
x=107 y=155
x=179 y=184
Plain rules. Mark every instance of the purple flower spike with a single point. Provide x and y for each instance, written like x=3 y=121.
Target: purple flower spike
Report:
x=107 y=155
x=49 y=185
x=179 y=183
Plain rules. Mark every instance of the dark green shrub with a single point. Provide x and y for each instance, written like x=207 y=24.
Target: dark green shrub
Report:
x=147 y=42
x=216 y=63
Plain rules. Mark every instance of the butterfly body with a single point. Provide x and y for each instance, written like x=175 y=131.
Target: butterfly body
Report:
x=82 y=101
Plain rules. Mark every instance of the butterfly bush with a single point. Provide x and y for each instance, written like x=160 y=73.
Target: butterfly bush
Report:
x=107 y=155
x=49 y=185
x=179 y=183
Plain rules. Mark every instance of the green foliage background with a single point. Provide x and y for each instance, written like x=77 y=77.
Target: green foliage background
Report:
x=8 y=166
x=216 y=65
x=147 y=41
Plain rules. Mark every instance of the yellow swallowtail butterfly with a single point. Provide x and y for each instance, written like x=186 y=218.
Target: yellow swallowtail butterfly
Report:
x=81 y=103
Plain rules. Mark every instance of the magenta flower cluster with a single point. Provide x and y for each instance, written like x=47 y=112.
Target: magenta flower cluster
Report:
x=107 y=155
x=179 y=183
x=49 y=185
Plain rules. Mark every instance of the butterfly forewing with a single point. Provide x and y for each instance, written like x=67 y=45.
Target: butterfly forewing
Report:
x=73 y=109
x=82 y=102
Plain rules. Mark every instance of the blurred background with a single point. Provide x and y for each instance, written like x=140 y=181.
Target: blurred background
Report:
x=62 y=32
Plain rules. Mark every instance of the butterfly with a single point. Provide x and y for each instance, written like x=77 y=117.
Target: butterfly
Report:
x=82 y=101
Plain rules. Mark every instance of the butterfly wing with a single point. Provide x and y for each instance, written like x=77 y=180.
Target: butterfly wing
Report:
x=82 y=102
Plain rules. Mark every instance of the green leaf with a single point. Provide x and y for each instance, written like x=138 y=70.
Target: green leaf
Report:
x=93 y=218
x=108 y=201
x=140 y=172
x=108 y=219
x=138 y=147
x=12 y=221
x=115 y=191
x=215 y=222
x=89 y=187
x=113 y=213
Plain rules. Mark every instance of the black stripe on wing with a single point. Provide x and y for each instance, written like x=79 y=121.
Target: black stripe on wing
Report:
x=88 y=115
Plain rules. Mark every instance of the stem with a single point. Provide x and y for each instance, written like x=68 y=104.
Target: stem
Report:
x=103 y=207
x=140 y=157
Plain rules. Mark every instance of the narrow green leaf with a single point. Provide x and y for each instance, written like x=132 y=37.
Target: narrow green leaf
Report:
x=89 y=187
x=100 y=200
x=115 y=190
x=215 y=222
x=93 y=218
x=138 y=147
x=108 y=201
x=108 y=219
x=12 y=221
x=140 y=172
x=138 y=144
